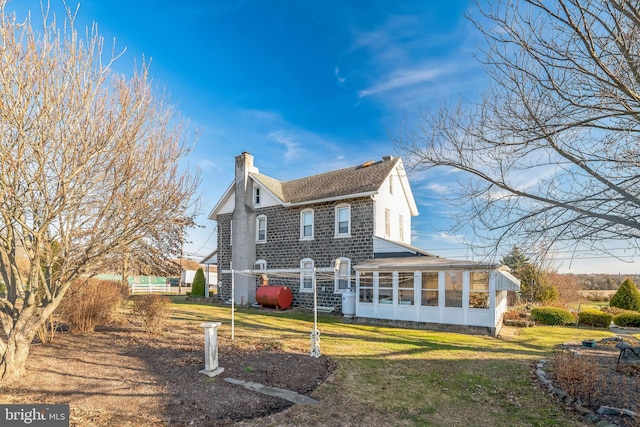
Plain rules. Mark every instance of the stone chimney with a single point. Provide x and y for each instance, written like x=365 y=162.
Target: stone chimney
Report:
x=243 y=248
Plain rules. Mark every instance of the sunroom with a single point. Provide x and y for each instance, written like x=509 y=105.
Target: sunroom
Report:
x=433 y=293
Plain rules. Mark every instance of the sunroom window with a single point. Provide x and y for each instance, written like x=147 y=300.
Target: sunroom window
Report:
x=479 y=289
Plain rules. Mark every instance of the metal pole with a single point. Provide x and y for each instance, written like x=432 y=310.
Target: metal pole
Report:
x=315 y=334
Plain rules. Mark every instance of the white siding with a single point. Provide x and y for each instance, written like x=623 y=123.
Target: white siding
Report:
x=397 y=204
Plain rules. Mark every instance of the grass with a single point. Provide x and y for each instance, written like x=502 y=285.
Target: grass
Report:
x=406 y=377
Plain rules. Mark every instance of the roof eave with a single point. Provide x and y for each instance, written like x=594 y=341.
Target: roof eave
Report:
x=214 y=212
x=331 y=199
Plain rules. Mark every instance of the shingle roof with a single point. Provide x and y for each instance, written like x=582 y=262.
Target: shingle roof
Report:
x=364 y=178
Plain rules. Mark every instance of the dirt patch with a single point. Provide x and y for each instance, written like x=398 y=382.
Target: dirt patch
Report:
x=122 y=376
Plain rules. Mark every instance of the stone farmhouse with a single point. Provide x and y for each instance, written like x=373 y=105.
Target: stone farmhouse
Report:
x=350 y=230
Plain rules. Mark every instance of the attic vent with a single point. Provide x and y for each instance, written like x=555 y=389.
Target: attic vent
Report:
x=367 y=164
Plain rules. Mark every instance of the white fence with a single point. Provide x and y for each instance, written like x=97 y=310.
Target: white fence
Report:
x=149 y=288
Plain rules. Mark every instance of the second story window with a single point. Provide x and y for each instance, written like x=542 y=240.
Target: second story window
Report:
x=256 y=196
x=306 y=224
x=261 y=229
x=343 y=220
x=387 y=223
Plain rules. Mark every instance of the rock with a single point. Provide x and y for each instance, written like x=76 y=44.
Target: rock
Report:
x=592 y=417
x=608 y=410
x=605 y=423
x=582 y=410
x=542 y=377
x=559 y=392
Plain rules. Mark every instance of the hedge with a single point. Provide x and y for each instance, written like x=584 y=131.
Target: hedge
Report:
x=595 y=318
x=552 y=316
x=627 y=319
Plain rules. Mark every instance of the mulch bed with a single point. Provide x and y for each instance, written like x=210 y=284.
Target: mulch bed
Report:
x=615 y=386
x=120 y=375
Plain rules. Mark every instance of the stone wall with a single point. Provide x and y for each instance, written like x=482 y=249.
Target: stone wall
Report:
x=284 y=249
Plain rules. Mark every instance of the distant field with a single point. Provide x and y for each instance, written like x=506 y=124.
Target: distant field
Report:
x=586 y=293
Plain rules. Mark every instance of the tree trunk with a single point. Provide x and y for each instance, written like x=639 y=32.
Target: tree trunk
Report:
x=13 y=361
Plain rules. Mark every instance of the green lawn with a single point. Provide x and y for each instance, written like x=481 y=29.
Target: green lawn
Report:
x=406 y=377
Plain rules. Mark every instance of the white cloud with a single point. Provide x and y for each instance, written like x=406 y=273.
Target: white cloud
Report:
x=340 y=79
x=208 y=166
x=401 y=79
x=293 y=148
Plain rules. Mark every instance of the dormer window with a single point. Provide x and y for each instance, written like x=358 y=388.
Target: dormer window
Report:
x=256 y=196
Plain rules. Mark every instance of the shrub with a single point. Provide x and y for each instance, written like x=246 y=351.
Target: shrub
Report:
x=614 y=310
x=89 y=303
x=580 y=376
x=552 y=316
x=595 y=318
x=153 y=310
x=629 y=318
x=197 y=287
x=627 y=296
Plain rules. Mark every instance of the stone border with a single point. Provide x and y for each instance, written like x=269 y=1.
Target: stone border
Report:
x=577 y=403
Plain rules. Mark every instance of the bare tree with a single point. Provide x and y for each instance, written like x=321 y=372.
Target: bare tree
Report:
x=551 y=152
x=88 y=171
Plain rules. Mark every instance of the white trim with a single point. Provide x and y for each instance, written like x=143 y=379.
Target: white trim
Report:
x=302 y=224
x=306 y=273
x=387 y=223
x=258 y=219
x=337 y=220
x=260 y=265
x=214 y=212
x=338 y=277
x=257 y=195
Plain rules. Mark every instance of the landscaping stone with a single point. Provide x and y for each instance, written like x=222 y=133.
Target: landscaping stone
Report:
x=289 y=395
x=542 y=377
x=582 y=410
x=610 y=410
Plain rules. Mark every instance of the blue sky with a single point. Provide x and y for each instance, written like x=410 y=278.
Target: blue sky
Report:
x=304 y=86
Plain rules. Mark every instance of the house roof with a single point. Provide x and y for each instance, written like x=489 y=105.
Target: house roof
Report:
x=356 y=180
x=400 y=249
x=212 y=258
x=421 y=263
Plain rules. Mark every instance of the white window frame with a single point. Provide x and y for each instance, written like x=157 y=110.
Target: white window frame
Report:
x=306 y=272
x=391 y=184
x=256 y=196
x=338 y=276
x=260 y=265
x=401 y=227
x=258 y=220
x=302 y=224
x=339 y=208
x=387 y=223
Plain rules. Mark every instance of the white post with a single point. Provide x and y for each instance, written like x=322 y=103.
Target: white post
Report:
x=315 y=334
x=206 y=284
x=211 y=367
x=233 y=301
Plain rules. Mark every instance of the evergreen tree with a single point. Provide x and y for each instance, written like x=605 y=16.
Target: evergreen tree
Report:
x=627 y=297
x=197 y=287
x=535 y=285
x=515 y=260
